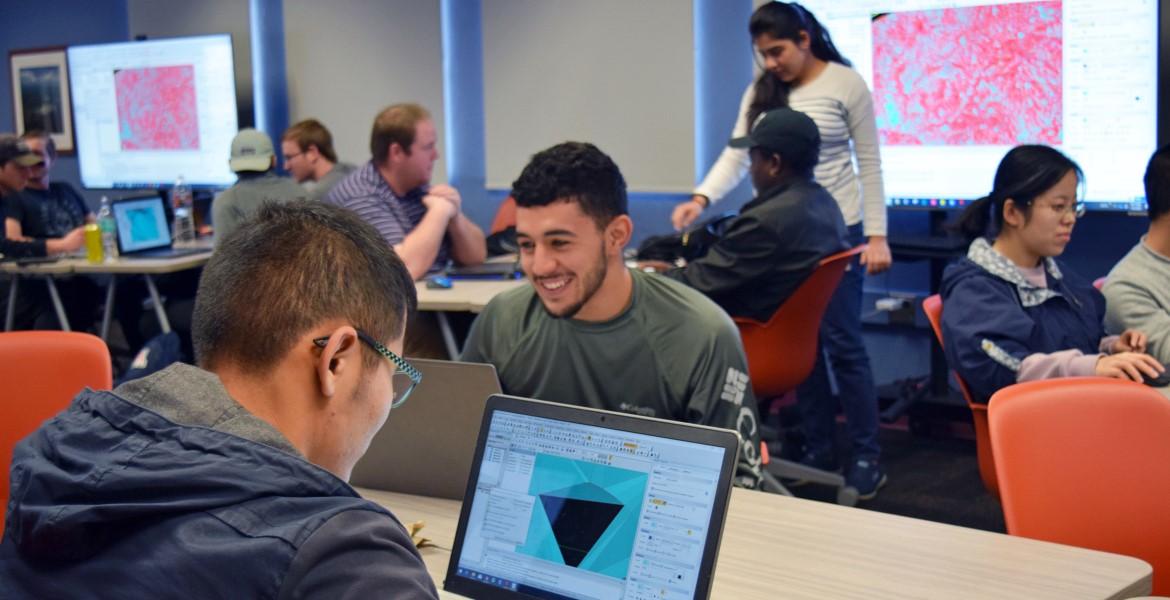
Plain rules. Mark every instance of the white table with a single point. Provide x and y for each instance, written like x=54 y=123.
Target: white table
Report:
x=147 y=267
x=465 y=295
x=779 y=547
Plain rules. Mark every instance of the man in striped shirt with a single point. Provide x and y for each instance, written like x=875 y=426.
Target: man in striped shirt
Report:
x=424 y=223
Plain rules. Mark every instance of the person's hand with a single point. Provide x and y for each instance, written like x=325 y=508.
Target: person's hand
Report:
x=685 y=213
x=658 y=266
x=74 y=240
x=448 y=192
x=444 y=206
x=1130 y=340
x=876 y=256
x=1129 y=365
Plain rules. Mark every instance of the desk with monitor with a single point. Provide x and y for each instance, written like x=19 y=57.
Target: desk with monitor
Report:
x=779 y=547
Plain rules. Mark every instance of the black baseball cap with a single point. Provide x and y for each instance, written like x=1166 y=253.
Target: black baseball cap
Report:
x=12 y=148
x=782 y=129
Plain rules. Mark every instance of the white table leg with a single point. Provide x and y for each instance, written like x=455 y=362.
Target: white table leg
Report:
x=159 y=310
x=448 y=336
x=108 y=311
x=10 y=313
x=57 y=306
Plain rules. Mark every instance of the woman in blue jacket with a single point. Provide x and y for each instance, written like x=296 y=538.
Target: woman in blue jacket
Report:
x=1011 y=311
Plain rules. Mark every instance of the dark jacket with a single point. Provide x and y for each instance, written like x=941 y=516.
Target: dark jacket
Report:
x=168 y=488
x=993 y=319
x=768 y=250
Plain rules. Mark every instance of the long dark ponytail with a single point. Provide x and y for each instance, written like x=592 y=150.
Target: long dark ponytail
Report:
x=1024 y=173
x=785 y=21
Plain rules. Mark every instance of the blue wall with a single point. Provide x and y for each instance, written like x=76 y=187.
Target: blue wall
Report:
x=25 y=25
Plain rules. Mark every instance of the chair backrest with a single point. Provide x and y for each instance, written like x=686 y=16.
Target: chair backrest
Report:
x=781 y=353
x=505 y=216
x=932 y=306
x=41 y=372
x=1086 y=462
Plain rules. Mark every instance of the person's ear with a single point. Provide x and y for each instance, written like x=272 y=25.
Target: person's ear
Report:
x=340 y=358
x=803 y=41
x=775 y=165
x=618 y=233
x=396 y=151
x=1012 y=214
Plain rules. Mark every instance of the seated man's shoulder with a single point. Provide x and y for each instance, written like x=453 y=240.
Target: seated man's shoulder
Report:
x=669 y=301
x=359 y=183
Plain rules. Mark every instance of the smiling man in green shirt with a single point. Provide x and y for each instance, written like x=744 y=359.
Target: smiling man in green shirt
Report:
x=591 y=332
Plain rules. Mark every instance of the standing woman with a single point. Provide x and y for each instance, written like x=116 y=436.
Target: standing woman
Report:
x=803 y=70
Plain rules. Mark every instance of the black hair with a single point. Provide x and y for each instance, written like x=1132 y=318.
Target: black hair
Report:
x=289 y=269
x=576 y=171
x=1024 y=173
x=1157 y=181
x=785 y=21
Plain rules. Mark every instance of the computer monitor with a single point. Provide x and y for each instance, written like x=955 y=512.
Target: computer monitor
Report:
x=148 y=112
x=956 y=84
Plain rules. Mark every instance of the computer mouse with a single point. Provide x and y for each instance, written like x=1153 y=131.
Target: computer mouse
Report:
x=1162 y=380
x=439 y=282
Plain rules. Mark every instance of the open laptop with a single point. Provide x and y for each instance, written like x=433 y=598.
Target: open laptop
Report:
x=143 y=229
x=425 y=447
x=571 y=502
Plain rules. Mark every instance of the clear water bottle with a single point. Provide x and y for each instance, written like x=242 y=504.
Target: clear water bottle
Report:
x=109 y=230
x=184 y=227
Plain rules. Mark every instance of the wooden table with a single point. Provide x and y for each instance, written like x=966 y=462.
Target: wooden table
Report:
x=779 y=547
x=147 y=267
x=465 y=295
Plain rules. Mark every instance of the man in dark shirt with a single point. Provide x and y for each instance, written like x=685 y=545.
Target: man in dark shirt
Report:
x=15 y=160
x=45 y=210
x=52 y=214
x=778 y=238
x=228 y=480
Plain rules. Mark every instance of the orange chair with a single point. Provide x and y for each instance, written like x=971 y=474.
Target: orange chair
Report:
x=41 y=372
x=932 y=306
x=782 y=352
x=505 y=216
x=1086 y=462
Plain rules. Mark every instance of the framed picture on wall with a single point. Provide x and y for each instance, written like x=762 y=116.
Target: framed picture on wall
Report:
x=40 y=94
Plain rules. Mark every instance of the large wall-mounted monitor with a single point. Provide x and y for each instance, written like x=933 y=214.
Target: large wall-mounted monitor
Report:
x=148 y=112
x=956 y=84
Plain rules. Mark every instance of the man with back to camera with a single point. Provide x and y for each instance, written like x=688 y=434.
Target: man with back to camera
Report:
x=254 y=162
x=16 y=160
x=1137 y=291
x=424 y=223
x=768 y=250
x=307 y=148
x=227 y=480
x=591 y=332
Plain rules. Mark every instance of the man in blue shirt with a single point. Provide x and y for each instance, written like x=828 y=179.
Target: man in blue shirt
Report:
x=424 y=223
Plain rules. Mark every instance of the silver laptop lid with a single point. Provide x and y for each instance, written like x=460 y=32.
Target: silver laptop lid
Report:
x=426 y=445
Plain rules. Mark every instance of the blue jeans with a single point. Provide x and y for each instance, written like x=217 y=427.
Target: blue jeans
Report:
x=840 y=339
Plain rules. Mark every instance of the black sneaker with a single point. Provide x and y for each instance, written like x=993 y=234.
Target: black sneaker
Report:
x=865 y=476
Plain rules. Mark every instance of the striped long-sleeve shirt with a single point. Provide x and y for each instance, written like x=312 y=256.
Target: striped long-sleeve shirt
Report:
x=369 y=196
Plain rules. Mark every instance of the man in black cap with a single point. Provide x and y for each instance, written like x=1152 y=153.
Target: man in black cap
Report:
x=779 y=237
x=16 y=158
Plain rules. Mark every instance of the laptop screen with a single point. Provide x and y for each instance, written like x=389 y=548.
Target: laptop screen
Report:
x=142 y=224
x=573 y=510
